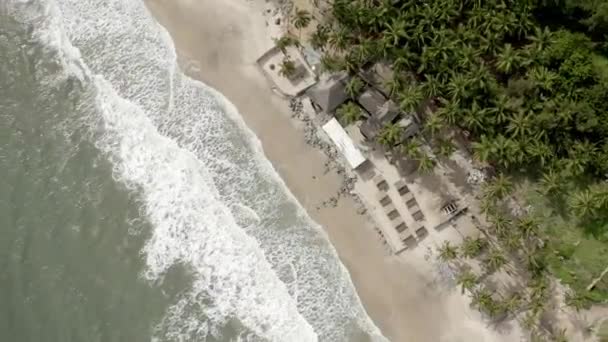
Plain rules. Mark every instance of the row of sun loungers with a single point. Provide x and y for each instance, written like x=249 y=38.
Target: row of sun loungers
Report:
x=393 y=214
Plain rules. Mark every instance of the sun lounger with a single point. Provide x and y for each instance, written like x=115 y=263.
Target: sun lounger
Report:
x=380 y=182
x=408 y=239
x=408 y=196
x=421 y=232
x=399 y=225
x=418 y=215
x=411 y=203
x=401 y=187
x=384 y=198
x=393 y=213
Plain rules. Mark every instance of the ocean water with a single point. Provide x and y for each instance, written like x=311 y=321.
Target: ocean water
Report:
x=135 y=205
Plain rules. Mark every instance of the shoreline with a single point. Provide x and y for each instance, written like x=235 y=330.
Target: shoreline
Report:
x=217 y=43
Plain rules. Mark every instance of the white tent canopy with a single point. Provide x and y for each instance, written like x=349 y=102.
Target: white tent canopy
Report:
x=344 y=143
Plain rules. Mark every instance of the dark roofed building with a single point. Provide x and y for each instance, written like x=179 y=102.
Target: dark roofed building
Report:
x=329 y=93
x=372 y=101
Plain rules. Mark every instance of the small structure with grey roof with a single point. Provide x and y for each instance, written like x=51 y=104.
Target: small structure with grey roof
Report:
x=329 y=93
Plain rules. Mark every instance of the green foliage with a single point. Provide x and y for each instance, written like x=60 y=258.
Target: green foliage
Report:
x=495 y=260
x=286 y=41
x=467 y=280
x=390 y=135
x=472 y=247
x=447 y=252
x=301 y=18
x=349 y=113
x=287 y=68
x=354 y=87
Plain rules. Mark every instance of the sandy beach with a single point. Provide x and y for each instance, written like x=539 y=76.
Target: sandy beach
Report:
x=218 y=42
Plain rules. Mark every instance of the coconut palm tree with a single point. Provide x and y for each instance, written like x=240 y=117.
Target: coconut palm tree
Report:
x=583 y=204
x=390 y=135
x=425 y=163
x=512 y=303
x=286 y=41
x=519 y=125
x=320 y=37
x=507 y=60
x=501 y=224
x=450 y=111
x=412 y=149
x=482 y=299
x=444 y=148
x=458 y=87
x=501 y=108
x=410 y=98
x=288 y=67
x=354 y=87
x=301 y=18
x=475 y=117
x=495 y=260
x=432 y=86
x=349 y=113
x=528 y=226
x=395 y=31
x=331 y=63
x=447 y=252
x=339 y=39
x=541 y=39
x=467 y=280
x=472 y=247
x=499 y=188
x=434 y=124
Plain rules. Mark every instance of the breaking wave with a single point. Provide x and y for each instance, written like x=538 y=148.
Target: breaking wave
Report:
x=261 y=268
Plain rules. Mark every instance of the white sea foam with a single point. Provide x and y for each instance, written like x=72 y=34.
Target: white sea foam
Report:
x=207 y=190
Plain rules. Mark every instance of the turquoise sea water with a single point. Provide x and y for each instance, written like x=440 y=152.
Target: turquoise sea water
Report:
x=135 y=205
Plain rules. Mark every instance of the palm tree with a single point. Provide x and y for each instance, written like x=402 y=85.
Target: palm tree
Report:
x=410 y=98
x=458 y=87
x=395 y=31
x=331 y=63
x=513 y=303
x=583 y=204
x=285 y=41
x=471 y=248
x=354 y=87
x=541 y=39
x=507 y=59
x=449 y=111
x=411 y=149
x=511 y=240
x=288 y=67
x=320 y=37
x=467 y=280
x=393 y=85
x=349 y=113
x=390 y=135
x=339 y=38
x=501 y=109
x=425 y=164
x=301 y=19
x=500 y=187
x=519 y=125
x=431 y=87
x=528 y=226
x=444 y=148
x=447 y=252
x=501 y=224
x=474 y=118
x=483 y=300
x=434 y=124
x=495 y=260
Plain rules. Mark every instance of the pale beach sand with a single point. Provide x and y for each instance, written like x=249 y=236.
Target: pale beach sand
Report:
x=218 y=42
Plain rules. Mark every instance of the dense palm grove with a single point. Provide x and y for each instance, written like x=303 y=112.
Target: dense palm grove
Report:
x=528 y=81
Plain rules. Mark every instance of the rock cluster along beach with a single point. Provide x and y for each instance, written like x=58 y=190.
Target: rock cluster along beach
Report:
x=315 y=137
